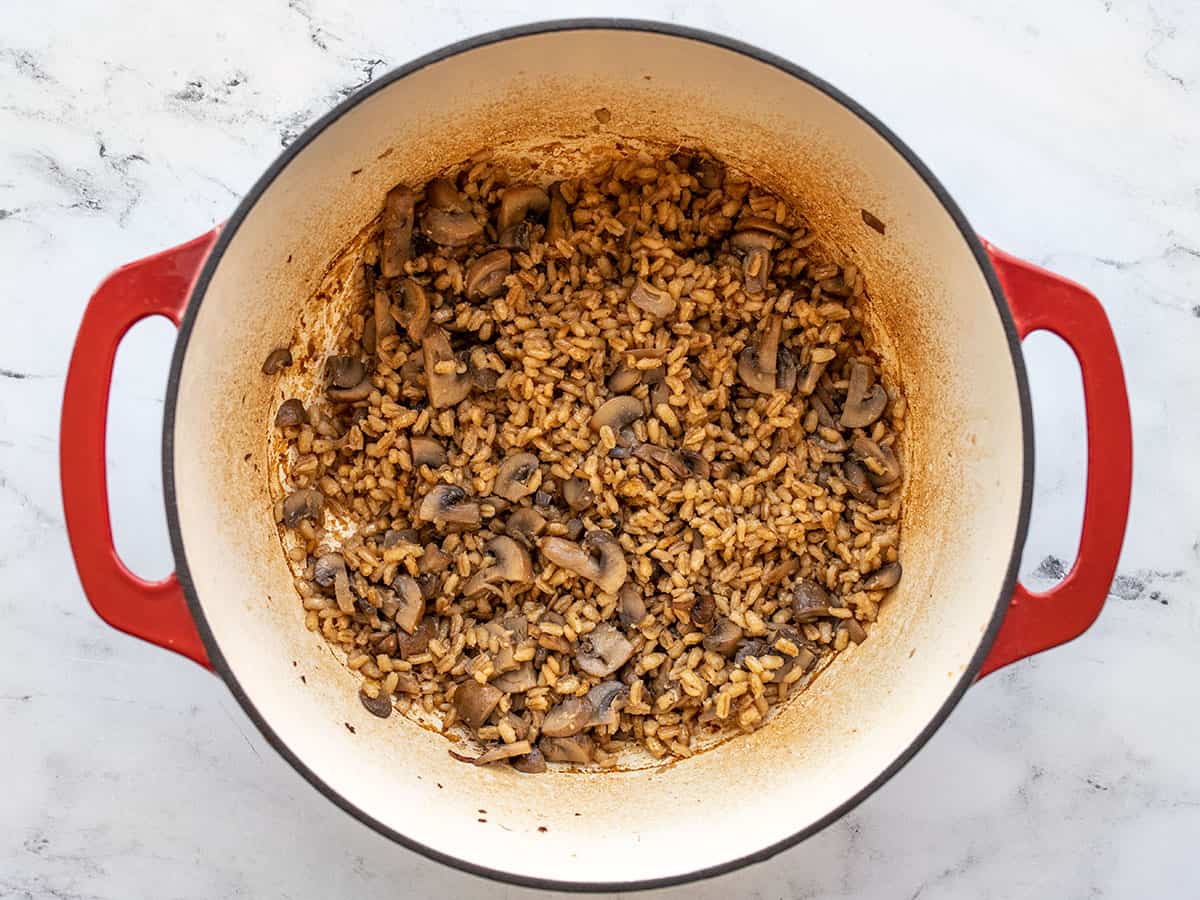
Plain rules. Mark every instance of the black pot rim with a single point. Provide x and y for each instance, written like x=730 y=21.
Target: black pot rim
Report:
x=229 y=231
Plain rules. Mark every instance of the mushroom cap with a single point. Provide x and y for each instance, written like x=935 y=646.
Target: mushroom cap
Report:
x=632 y=605
x=485 y=276
x=413 y=314
x=525 y=524
x=617 y=413
x=345 y=371
x=512 y=559
x=277 y=360
x=532 y=763
x=604 y=698
x=291 y=413
x=397 y=226
x=577 y=748
x=306 y=503
x=606 y=568
x=578 y=493
x=865 y=400
x=412 y=603
x=668 y=459
x=624 y=379
x=558 y=220
x=427 y=452
x=326 y=567
x=517 y=202
x=475 y=702
x=380 y=705
x=451 y=227
x=518 y=680
x=569 y=717
x=517 y=477
x=884 y=578
x=724 y=637
x=602 y=651
x=448 y=503
x=810 y=600
x=503 y=751
x=444 y=388
x=653 y=300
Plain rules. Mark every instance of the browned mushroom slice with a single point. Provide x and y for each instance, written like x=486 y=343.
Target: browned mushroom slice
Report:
x=290 y=414
x=606 y=698
x=502 y=752
x=416 y=643
x=525 y=525
x=427 y=452
x=865 y=401
x=448 y=504
x=380 y=705
x=413 y=313
x=384 y=324
x=879 y=459
x=434 y=560
x=723 y=638
x=306 y=503
x=485 y=276
x=695 y=463
x=445 y=385
x=396 y=246
x=670 y=461
x=277 y=360
x=532 y=763
x=517 y=681
x=632 y=608
x=703 y=610
x=475 y=702
x=761 y=223
x=342 y=592
x=809 y=601
x=446 y=220
x=812 y=375
x=360 y=391
x=577 y=748
x=607 y=569
x=393 y=537
x=512 y=563
x=412 y=603
x=655 y=301
x=558 y=221
x=326 y=567
x=624 y=379
x=567 y=718
x=578 y=493
x=883 y=579
x=603 y=651
x=345 y=371
x=854 y=628
x=710 y=174
x=517 y=477
x=755 y=247
x=517 y=202
x=407 y=682
x=857 y=482
x=768 y=367
x=515 y=237
x=617 y=413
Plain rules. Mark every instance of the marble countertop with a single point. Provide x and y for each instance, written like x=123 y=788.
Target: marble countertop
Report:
x=1069 y=132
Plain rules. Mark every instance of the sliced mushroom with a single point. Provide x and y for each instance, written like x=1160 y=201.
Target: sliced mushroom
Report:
x=617 y=413
x=857 y=482
x=326 y=567
x=808 y=383
x=809 y=601
x=512 y=563
x=703 y=610
x=345 y=371
x=475 y=702
x=407 y=682
x=532 y=763
x=502 y=752
x=445 y=388
x=448 y=504
x=384 y=324
x=710 y=174
x=515 y=237
x=603 y=651
x=632 y=609
x=393 y=537
x=748 y=647
x=755 y=247
x=525 y=524
x=290 y=414
x=605 y=699
x=574 y=749
x=380 y=705
x=413 y=314
x=306 y=503
x=517 y=477
x=578 y=493
x=434 y=560
x=485 y=276
x=396 y=247
x=883 y=579
x=695 y=463
x=360 y=391
x=568 y=718
x=724 y=637
x=761 y=223
x=854 y=628
x=607 y=569
x=277 y=360
x=669 y=460
x=879 y=459
x=517 y=202
x=341 y=590
x=781 y=570
x=447 y=221
x=648 y=298
x=558 y=221
x=412 y=603
x=416 y=643
x=427 y=452
x=768 y=367
x=865 y=401
x=517 y=681
x=624 y=379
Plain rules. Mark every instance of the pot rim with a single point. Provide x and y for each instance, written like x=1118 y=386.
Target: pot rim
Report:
x=229 y=231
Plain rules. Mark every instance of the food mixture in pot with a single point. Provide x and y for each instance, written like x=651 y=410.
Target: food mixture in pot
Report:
x=599 y=465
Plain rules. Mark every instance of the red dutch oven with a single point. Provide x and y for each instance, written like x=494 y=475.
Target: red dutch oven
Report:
x=950 y=311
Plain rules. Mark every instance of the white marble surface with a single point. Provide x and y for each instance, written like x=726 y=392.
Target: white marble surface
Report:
x=1068 y=131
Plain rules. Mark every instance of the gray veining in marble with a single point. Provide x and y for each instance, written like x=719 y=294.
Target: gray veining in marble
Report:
x=1070 y=134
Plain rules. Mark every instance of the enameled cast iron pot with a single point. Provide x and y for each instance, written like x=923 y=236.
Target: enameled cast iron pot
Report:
x=950 y=310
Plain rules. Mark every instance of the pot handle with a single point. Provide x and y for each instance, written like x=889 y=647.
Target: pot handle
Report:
x=158 y=285
x=1043 y=301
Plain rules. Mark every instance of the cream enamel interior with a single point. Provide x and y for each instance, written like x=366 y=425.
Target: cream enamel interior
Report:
x=944 y=340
